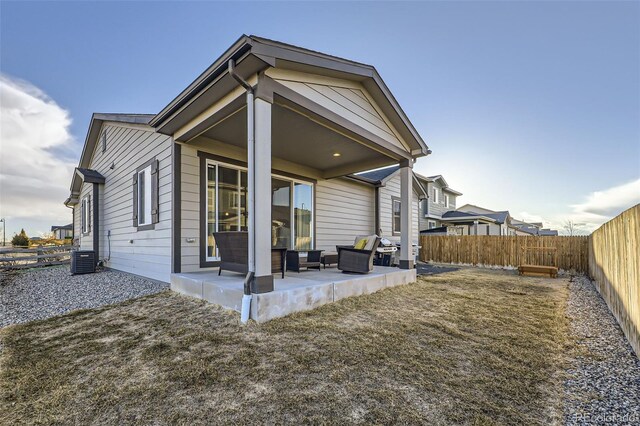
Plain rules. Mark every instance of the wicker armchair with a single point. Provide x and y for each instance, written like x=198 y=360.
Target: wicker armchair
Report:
x=357 y=261
x=233 y=248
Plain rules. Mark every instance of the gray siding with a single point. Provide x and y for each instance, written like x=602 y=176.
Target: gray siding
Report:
x=439 y=208
x=386 y=194
x=190 y=209
x=346 y=98
x=145 y=253
x=344 y=209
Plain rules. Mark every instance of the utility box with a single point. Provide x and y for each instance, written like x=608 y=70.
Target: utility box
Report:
x=83 y=262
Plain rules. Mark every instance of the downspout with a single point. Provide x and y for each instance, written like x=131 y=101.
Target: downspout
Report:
x=246 y=297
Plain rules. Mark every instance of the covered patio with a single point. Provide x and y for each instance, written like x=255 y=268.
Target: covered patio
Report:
x=267 y=141
x=295 y=292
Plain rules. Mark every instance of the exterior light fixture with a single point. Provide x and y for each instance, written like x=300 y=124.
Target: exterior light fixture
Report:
x=336 y=154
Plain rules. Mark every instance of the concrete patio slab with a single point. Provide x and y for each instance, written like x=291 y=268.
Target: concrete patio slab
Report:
x=295 y=293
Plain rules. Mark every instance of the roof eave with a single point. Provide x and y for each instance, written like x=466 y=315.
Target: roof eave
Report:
x=214 y=70
x=271 y=52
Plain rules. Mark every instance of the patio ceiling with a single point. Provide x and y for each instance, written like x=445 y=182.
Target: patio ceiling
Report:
x=300 y=138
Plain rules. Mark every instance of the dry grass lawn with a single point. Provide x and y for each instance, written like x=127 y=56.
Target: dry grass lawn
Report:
x=472 y=346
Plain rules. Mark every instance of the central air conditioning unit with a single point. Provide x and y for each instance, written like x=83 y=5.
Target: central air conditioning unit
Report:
x=83 y=262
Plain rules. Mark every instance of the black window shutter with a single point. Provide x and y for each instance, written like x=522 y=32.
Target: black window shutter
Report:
x=135 y=199
x=89 y=213
x=155 y=216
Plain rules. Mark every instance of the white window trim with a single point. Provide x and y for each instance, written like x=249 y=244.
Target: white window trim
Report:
x=446 y=200
x=147 y=197
x=219 y=164
x=395 y=231
x=84 y=215
x=435 y=196
x=431 y=222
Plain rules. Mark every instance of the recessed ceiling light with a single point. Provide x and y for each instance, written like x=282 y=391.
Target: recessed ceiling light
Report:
x=336 y=154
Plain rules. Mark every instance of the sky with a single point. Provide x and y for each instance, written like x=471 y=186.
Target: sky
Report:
x=531 y=107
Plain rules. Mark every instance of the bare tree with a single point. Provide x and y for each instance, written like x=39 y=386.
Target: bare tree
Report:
x=572 y=228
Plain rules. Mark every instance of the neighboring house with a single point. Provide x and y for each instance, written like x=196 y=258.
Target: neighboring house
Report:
x=440 y=199
x=150 y=190
x=476 y=220
x=475 y=223
x=388 y=202
x=62 y=232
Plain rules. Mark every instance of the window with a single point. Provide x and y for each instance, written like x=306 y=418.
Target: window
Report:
x=435 y=195
x=432 y=224
x=446 y=201
x=104 y=141
x=144 y=196
x=395 y=223
x=84 y=215
x=488 y=229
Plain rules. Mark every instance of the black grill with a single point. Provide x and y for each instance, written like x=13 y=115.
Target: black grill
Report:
x=83 y=262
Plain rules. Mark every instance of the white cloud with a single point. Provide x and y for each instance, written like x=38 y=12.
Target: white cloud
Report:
x=610 y=202
x=598 y=208
x=34 y=180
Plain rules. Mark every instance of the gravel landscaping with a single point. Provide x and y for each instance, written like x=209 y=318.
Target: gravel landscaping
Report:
x=47 y=292
x=604 y=379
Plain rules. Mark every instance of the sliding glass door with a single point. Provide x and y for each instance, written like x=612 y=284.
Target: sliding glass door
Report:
x=226 y=202
x=303 y=215
x=280 y=213
x=291 y=208
x=291 y=214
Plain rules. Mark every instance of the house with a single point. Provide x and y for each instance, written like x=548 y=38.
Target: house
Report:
x=470 y=219
x=267 y=140
x=387 y=184
x=62 y=232
x=476 y=223
x=440 y=199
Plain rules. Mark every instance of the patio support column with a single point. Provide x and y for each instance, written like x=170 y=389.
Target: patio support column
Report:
x=261 y=164
x=406 y=207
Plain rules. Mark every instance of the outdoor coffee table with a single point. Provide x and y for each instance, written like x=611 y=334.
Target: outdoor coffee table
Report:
x=296 y=259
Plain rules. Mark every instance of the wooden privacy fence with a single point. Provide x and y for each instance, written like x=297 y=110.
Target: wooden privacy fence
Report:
x=568 y=253
x=21 y=258
x=614 y=264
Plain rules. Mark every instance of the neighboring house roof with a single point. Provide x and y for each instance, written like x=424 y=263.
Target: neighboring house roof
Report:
x=473 y=207
x=540 y=232
x=380 y=177
x=377 y=176
x=254 y=54
x=500 y=217
x=497 y=217
x=457 y=216
x=438 y=230
x=97 y=119
x=68 y=227
x=445 y=185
